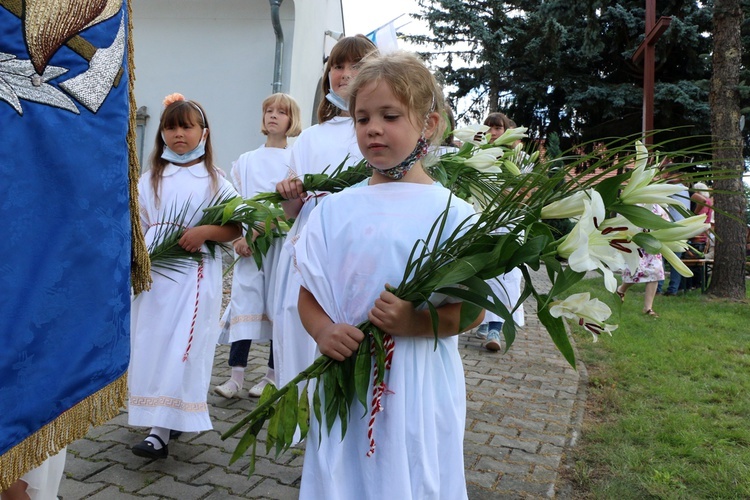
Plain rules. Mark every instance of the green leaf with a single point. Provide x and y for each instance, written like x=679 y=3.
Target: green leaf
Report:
x=229 y=209
x=641 y=217
x=247 y=439
x=435 y=321
x=362 y=371
x=469 y=313
x=556 y=329
x=303 y=412
x=609 y=188
x=648 y=243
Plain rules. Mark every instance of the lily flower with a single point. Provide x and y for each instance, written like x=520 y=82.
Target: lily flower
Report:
x=511 y=136
x=640 y=188
x=683 y=229
x=590 y=246
x=485 y=162
x=587 y=312
x=570 y=206
x=496 y=152
x=468 y=133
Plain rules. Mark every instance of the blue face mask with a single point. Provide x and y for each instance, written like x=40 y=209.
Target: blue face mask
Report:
x=192 y=155
x=337 y=101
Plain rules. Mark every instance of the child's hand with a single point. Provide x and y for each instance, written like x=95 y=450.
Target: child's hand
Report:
x=291 y=188
x=339 y=341
x=241 y=247
x=193 y=238
x=393 y=315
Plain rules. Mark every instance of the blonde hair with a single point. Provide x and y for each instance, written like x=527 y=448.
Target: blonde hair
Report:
x=181 y=113
x=411 y=83
x=288 y=104
x=350 y=49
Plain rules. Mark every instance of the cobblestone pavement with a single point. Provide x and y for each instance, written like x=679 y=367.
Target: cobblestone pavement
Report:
x=523 y=411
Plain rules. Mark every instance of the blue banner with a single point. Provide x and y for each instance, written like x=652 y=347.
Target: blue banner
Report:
x=64 y=207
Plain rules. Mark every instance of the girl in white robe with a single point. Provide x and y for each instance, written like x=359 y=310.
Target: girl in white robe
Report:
x=174 y=325
x=354 y=244
x=249 y=314
x=319 y=147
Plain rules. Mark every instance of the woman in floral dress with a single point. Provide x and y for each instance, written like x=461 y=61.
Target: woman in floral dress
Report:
x=650 y=271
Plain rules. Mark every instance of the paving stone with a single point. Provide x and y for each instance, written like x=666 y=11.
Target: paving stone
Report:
x=169 y=488
x=128 y=480
x=236 y=484
x=269 y=488
x=71 y=489
x=114 y=493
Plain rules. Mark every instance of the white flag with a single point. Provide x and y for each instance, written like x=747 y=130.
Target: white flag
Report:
x=385 y=38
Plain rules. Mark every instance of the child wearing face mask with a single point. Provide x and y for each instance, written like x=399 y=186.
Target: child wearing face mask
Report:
x=248 y=316
x=173 y=325
x=318 y=147
x=355 y=243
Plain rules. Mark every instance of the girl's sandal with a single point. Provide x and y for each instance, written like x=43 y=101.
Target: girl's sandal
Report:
x=651 y=312
x=621 y=294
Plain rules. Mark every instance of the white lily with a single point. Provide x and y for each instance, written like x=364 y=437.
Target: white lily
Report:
x=683 y=229
x=587 y=312
x=590 y=246
x=496 y=152
x=668 y=252
x=511 y=136
x=468 y=133
x=484 y=162
x=570 y=206
x=640 y=188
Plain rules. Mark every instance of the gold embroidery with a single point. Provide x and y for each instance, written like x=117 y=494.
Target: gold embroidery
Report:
x=249 y=318
x=168 y=402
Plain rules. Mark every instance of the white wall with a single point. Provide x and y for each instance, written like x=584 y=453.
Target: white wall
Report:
x=217 y=52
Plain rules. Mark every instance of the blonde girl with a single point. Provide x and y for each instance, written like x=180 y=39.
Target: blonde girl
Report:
x=356 y=243
x=173 y=325
x=248 y=316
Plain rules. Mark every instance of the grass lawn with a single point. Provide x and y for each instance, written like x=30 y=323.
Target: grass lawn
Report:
x=668 y=409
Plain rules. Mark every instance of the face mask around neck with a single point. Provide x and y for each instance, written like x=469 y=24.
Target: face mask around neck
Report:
x=181 y=159
x=337 y=101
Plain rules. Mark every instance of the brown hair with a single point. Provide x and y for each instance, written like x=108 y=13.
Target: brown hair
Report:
x=181 y=114
x=349 y=49
x=498 y=119
x=288 y=104
x=411 y=83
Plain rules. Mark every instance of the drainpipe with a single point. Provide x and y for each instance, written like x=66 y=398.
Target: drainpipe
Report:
x=276 y=21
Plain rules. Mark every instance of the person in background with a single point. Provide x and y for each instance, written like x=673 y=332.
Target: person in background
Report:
x=249 y=315
x=319 y=147
x=650 y=270
x=674 y=176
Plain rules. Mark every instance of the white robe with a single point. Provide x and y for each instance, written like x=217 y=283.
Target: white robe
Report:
x=353 y=244
x=314 y=150
x=178 y=316
x=249 y=315
x=508 y=288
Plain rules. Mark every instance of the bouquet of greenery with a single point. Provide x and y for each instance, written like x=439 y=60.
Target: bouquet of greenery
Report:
x=606 y=237
x=267 y=221
x=334 y=181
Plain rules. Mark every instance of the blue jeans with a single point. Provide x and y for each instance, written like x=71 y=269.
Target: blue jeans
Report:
x=674 y=279
x=238 y=352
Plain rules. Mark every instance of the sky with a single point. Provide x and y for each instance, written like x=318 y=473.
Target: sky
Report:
x=364 y=16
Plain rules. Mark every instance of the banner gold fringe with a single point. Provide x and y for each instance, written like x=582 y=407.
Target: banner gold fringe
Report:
x=140 y=265
x=73 y=424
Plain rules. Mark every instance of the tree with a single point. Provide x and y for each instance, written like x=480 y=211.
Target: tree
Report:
x=565 y=67
x=729 y=269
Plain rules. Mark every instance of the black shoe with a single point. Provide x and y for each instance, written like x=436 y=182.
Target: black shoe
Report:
x=670 y=294
x=173 y=434
x=146 y=449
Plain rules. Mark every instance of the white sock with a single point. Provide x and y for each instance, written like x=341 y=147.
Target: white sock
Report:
x=270 y=375
x=163 y=433
x=238 y=376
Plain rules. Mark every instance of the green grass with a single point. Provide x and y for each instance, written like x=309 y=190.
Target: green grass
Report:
x=668 y=410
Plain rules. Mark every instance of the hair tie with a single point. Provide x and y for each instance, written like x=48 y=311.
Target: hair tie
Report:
x=172 y=98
